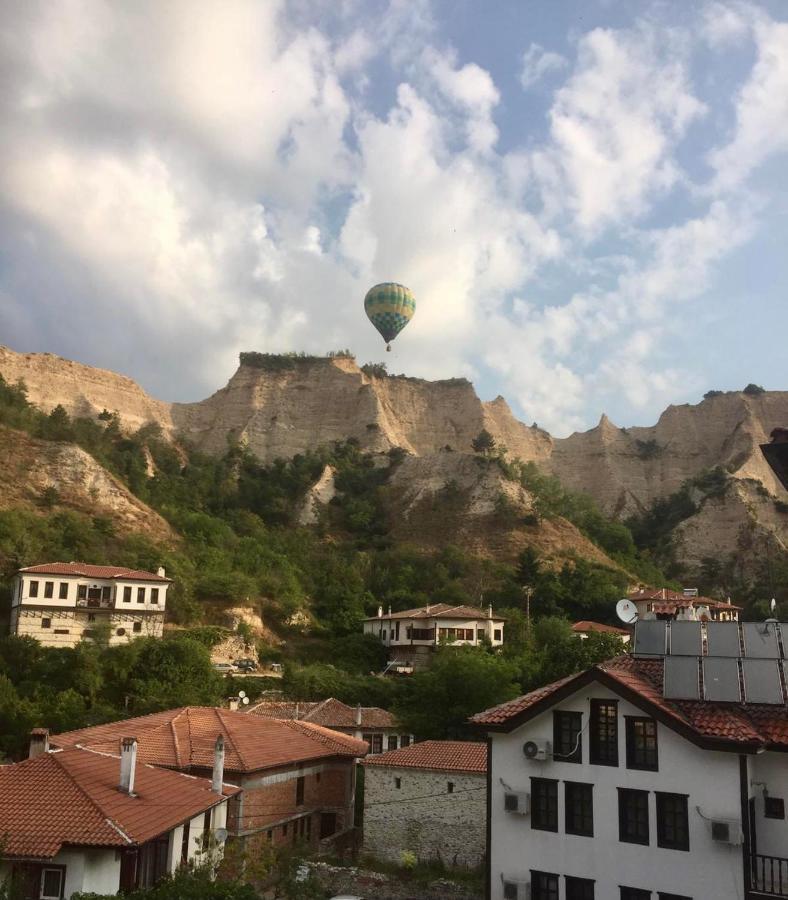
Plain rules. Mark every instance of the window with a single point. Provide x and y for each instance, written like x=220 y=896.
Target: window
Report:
x=396 y=633
x=154 y=595
x=127 y=594
x=140 y=595
x=579 y=888
x=603 y=740
x=137 y=627
x=497 y=634
x=422 y=634
x=392 y=742
x=774 y=808
x=328 y=824
x=404 y=740
x=82 y=592
x=663 y=896
x=61 y=631
x=579 y=806
x=270 y=834
x=52 y=884
x=672 y=822
x=106 y=592
x=544 y=804
x=628 y=893
x=449 y=787
x=46 y=623
x=32 y=591
x=641 y=744
x=63 y=590
x=300 y=790
x=398 y=783
x=284 y=830
x=544 y=886
x=567 y=743
x=49 y=593
x=377 y=743
x=633 y=816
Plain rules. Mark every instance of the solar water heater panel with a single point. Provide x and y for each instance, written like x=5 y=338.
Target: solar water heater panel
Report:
x=760 y=640
x=762 y=681
x=723 y=638
x=681 y=678
x=685 y=639
x=721 y=679
x=650 y=638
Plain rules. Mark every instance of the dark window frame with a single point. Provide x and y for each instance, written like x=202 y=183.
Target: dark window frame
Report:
x=32 y=588
x=49 y=590
x=127 y=593
x=603 y=733
x=300 y=787
x=136 y=628
x=642 y=749
x=544 y=804
x=773 y=808
x=140 y=595
x=82 y=592
x=567 y=736
x=579 y=808
x=672 y=821
x=62 y=593
x=46 y=622
x=634 y=816
x=578 y=888
x=391 y=742
x=544 y=885
x=630 y=893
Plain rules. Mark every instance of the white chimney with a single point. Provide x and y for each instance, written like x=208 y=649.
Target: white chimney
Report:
x=489 y=612
x=233 y=703
x=389 y=609
x=298 y=711
x=160 y=572
x=128 y=764
x=380 y=612
x=39 y=742
x=358 y=714
x=218 y=765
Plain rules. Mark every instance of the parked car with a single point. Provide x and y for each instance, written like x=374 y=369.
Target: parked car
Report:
x=224 y=668
x=245 y=665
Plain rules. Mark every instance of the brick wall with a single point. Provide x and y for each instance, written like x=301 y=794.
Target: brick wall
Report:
x=422 y=816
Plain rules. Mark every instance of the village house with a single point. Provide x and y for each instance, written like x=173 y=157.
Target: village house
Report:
x=663 y=603
x=79 y=820
x=660 y=774
x=59 y=604
x=297 y=779
x=413 y=635
x=428 y=799
x=584 y=628
x=377 y=727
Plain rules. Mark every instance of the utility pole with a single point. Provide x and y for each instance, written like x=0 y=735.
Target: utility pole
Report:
x=527 y=593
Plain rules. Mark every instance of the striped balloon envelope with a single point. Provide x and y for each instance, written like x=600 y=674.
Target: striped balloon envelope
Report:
x=389 y=306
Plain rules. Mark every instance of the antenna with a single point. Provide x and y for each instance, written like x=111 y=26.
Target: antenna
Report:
x=627 y=611
x=241 y=694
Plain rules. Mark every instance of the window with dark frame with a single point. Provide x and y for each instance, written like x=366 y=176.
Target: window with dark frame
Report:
x=82 y=592
x=185 y=844
x=154 y=595
x=32 y=590
x=603 y=738
x=63 y=590
x=567 y=742
x=642 y=744
x=544 y=886
x=544 y=804
x=404 y=740
x=497 y=634
x=377 y=743
x=633 y=816
x=630 y=893
x=140 y=595
x=51 y=884
x=398 y=783
x=579 y=888
x=663 y=896
x=49 y=593
x=46 y=623
x=774 y=808
x=672 y=821
x=300 y=790
x=106 y=592
x=579 y=808
x=137 y=627
x=392 y=742
x=127 y=594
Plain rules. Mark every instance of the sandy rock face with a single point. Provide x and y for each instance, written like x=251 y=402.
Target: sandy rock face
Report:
x=321 y=493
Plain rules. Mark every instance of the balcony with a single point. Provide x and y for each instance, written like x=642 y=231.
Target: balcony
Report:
x=95 y=603
x=768 y=876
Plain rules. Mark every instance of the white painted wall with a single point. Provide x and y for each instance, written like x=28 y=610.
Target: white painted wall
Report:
x=711 y=779
x=385 y=629
x=90 y=870
x=771 y=770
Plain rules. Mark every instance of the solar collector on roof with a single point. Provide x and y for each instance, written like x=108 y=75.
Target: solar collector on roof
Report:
x=650 y=638
x=762 y=681
x=760 y=640
x=721 y=679
x=722 y=639
x=685 y=639
x=681 y=678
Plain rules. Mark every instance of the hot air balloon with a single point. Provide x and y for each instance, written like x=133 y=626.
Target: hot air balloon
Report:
x=389 y=306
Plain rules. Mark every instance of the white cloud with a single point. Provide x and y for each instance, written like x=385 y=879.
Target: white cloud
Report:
x=537 y=63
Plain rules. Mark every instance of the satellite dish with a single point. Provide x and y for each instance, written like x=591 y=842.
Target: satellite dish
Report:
x=627 y=611
x=221 y=835
x=241 y=694
x=245 y=701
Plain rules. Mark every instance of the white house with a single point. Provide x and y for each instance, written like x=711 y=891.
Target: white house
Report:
x=428 y=799
x=76 y=820
x=59 y=604
x=664 y=603
x=585 y=627
x=634 y=781
x=413 y=634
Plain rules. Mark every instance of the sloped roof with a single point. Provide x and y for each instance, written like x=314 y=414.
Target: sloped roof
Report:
x=439 y=611
x=445 y=756
x=726 y=726
x=331 y=713
x=598 y=627
x=672 y=599
x=71 y=797
x=184 y=738
x=89 y=571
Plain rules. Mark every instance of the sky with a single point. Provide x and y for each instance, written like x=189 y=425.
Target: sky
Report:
x=588 y=198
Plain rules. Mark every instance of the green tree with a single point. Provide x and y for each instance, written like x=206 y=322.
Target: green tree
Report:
x=483 y=443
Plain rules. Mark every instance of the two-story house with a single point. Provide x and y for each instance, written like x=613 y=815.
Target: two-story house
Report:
x=78 y=820
x=412 y=635
x=297 y=779
x=660 y=775
x=59 y=604
x=664 y=603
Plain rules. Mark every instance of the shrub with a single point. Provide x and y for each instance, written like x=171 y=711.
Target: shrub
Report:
x=753 y=390
x=710 y=394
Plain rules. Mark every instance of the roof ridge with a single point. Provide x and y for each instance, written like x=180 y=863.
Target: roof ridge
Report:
x=225 y=726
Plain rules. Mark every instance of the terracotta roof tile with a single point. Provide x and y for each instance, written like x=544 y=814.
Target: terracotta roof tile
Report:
x=673 y=599
x=90 y=571
x=184 y=738
x=71 y=797
x=445 y=756
x=331 y=713
x=439 y=610
x=598 y=627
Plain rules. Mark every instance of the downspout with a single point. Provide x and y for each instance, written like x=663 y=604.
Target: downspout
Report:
x=745 y=824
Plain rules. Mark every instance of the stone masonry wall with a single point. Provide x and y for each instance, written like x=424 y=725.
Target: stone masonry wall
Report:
x=422 y=816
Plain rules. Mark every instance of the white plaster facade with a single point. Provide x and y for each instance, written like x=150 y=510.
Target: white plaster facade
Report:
x=711 y=779
x=430 y=631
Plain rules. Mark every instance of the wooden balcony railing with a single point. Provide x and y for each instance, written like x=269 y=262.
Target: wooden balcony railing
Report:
x=769 y=875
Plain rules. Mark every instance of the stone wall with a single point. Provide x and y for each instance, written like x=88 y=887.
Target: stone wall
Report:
x=422 y=816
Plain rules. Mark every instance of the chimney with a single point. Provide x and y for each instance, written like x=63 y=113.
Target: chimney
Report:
x=39 y=742
x=233 y=703
x=489 y=612
x=358 y=714
x=298 y=710
x=380 y=612
x=160 y=572
x=128 y=764
x=218 y=765
x=389 y=609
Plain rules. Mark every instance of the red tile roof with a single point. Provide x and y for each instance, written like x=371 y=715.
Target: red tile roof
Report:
x=444 y=756
x=598 y=627
x=71 y=797
x=331 y=713
x=439 y=611
x=673 y=599
x=748 y=725
x=184 y=738
x=89 y=571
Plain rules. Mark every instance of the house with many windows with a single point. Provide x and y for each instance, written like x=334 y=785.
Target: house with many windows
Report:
x=412 y=635
x=59 y=604
x=664 y=603
x=659 y=775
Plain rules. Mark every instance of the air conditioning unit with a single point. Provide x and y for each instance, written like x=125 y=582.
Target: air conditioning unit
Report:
x=518 y=802
x=514 y=889
x=726 y=831
x=538 y=750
